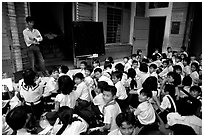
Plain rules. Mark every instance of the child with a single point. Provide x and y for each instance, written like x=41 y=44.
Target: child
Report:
x=152 y=70
x=98 y=75
x=165 y=69
x=183 y=51
x=170 y=66
x=178 y=69
x=194 y=72
x=187 y=82
x=110 y=110
x=83 y=65
x=178 y=61
x=145 y=111
x=156 y=60
x=66 y=96
x=121 y=93
x=107 y=69
x=193 y=59
x=31 y=92
x=120 y=67
x=63 y=70
x=88 y=79
x=169 y=52
x=126 y=124
x=95 y=64
x=156 y=51
x=132 y=79
x=143 y=75
x=127 y=65
x=133 y=57
x=187 y=68
x=17 y=119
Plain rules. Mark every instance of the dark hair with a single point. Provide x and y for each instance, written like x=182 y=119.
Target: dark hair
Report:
x=102 y=84
x=154 y=57
x=187 y=59
x=133 y=55
x=143 y=67
x=144 y=60
x=110 y=59
x=127 y=117
x=53 y=69
x=187 y=81
x=16 y=118
x=171 y=89
x=131 y=73
x=183 y=55
x=65 y=84
x=178 y=57
x=139 y=50
x=126 y=58
x=177 y=67
x=98 y=70
x=134 y=61
x=84 y=62
x=29 y=77
x=196 y=66
x=111 y=89
x=107 y=64
x=176 y=77
x=153 y=66
x=164 y=56
x=146 y=92
x=170 y=61
x=184 y=48
x=117 y=74
x=79 y=75
x=96 y=61
x=168 y=48
x=166 y=61
x=64 y=69
x=180 y=129
x=196 y=88
x=89 y=68
x=29 y=19
x=150 y=83
x=119 y=67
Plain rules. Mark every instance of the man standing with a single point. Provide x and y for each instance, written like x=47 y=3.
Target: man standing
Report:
x=32 y=39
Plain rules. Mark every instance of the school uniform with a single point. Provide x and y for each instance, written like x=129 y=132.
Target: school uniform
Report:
x=166 y=103
x=66 y=100
x=180 y=64
x=142 y=77
x=127 y=66
x=187 y=70
x=89 y=83
x=154 y=74
x=106 y=79
x=110 y=111
x=194 y=75
x=51 y=87
x=164 y=72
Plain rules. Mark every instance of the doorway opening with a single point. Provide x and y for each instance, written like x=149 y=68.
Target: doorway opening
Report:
x=156 y=34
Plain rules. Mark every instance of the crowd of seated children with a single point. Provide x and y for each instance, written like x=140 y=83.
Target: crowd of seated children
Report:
x=114 y=99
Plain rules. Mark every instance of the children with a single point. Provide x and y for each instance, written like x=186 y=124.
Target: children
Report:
x=110 y=110
x=121 y=93
x=66 y=97
x=83 y=65
x=126 y=124
x=81 y=92
x=100 y=77
x=145 y=111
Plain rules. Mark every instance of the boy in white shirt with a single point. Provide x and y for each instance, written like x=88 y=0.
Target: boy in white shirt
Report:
x=121 y=94
x=165 y=69
x=110 y=110
x=143 y=75
x=98 y=75
x=83 y=65
x=88 y=79
x=127 y=65
x=152 y=70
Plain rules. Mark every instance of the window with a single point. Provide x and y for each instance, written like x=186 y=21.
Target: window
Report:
x=153 y=5
x=114 y=19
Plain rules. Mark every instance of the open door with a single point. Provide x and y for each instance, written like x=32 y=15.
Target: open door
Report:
x=141 y=35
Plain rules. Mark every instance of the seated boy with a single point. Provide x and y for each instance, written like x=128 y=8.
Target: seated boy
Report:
x=98 y=75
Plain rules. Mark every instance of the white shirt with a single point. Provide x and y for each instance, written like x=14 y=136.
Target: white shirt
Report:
x=115 y=132
x=66 y=100
x=106 y=79
x=51 y=87
x=121 y=91
x=166 y=102
x=147 y=114
x=127 y=66
x=31 y=94
x=180 y=64
x=187 y=70
x=124 y=80
x=110 y=114
x=82 y=92
x=164 y=72
x=28 y=35
x=99 y=101
x=154 y=74
x=142 y=77
x=194 y=75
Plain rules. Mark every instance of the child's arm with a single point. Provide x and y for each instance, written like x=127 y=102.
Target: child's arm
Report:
x=105 y=127
x=137 y=111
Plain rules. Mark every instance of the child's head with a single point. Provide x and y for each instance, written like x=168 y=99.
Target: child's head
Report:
x=158 y=57
x=107 y=65
x=187 y=81
x=169 y=90
x=138 y=57
x=131 y=73
x=126 y=123
x=193 y=57
x=78 y=78
x=144 y=95
x=175 y=53
x=110 y=59
x=63 y=69
x=125 y=59
x=169 y=49
x=83 y=64
x=194 y=67
x=182 y=49
x=195 y=91
x=178 y=69
x=119 y=67
x=88 y=70
x=109 y=93
x=152 y=68
x=143 y=67
x=101 y=85
x=54 y=72
x=96 y=63
x=116 y=76
x=65 y=84
x=174 y=78
x=165 y=63
x=98 y=73
x=29 y=77
x=178 y=59
x=186 y=61
x=164 y=56
x=156 y=50
x=150 y=83
x=183 y=56
x=17 y=118
x=139 y=52
x=170 y=62
x=135 y=64
x=133 y=56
